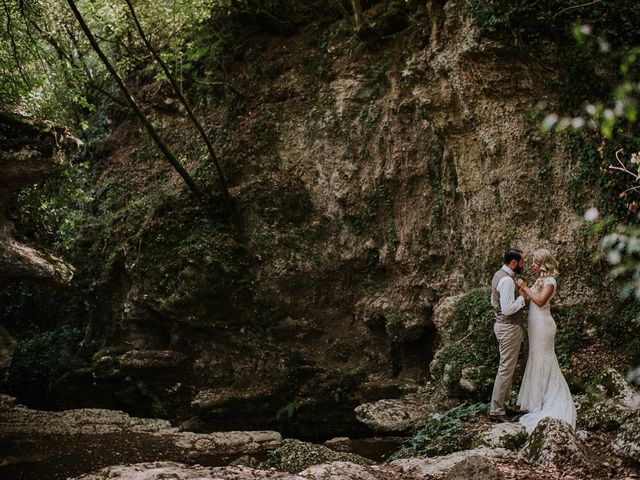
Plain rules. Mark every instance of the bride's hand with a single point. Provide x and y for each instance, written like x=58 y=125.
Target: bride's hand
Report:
x=521 y=283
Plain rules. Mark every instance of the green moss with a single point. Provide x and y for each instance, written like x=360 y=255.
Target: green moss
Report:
x=109 y=351
x=470 y=344
x=40 y=358
x=444 y=433
x=535 y=443
x=571 y=336
x=515 y=442
x=294 y=456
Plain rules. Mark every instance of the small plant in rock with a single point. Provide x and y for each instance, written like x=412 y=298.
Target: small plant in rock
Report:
x=444 y=433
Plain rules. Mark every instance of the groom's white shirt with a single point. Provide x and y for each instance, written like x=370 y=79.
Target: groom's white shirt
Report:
x=506 y=286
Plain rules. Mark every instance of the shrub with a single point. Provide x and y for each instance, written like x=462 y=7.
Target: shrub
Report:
x=443 y=433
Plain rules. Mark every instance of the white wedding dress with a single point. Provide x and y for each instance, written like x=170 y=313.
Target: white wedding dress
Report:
x=544 y=391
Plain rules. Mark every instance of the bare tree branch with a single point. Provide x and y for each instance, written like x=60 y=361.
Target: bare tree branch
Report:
x=576 y=6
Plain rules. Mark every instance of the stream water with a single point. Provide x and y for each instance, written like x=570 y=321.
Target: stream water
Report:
x=62 y=456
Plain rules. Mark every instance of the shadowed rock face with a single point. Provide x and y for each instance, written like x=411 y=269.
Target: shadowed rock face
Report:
x=29 y=152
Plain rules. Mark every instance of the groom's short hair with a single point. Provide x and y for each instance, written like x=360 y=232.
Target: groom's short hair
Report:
x=512 y=254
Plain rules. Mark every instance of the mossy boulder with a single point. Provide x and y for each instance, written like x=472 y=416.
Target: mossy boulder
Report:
x=294 y=456
x=607 y=402
x=466 y=362
x=502 y=435
x=627 y=442
x=553 y=442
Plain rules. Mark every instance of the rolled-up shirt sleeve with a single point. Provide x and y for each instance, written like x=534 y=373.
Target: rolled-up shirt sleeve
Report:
x=508 y=304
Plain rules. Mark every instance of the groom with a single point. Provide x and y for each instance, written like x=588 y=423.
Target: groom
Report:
x=509 y=329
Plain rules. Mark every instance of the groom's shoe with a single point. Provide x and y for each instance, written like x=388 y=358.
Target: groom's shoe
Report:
x=499 y=418
x=514 y=411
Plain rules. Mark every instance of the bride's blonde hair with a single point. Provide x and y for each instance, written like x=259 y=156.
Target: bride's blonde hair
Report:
x=548 y=263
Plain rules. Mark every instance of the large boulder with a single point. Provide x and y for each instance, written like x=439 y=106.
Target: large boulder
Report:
x=294 y=456
x=503 y=435
x=475 y=468
x=177 y=471
x=607 y=403
x=436 y=466
x=396 y=415
x=72 y=442
x=30 y=152
x=627 y=442
x=553 y=442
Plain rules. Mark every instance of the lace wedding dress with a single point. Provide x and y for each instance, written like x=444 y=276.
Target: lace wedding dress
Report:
x=544 y=391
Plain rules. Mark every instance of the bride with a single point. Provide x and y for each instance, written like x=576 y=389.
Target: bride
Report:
x=544 y=391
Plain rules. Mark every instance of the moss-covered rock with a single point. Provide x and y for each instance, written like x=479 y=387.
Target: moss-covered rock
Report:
x=502 y=435
x=607 y=402
x=294 y=456
x=444 y=433
x=468 y=356
x=553 y=442
x=627 y=442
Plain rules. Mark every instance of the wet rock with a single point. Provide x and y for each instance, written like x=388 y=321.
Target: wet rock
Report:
x=396 y=415
x=175 y=471
x=474 y=468
x=509 y=435
x=339 y=444
x=627 y=442
x=75 y=441
x=294 y=456
x=553 y=442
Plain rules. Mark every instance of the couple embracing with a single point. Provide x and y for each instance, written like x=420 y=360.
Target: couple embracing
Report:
x=544 y=391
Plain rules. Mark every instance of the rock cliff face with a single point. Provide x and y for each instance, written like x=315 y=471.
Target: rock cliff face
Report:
x=29 y=152
x=365 y=192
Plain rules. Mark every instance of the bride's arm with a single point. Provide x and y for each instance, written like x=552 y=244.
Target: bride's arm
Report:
x=540 y=299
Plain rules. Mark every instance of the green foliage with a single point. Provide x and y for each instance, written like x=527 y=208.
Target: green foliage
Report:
x=517 y=441
x=470 y=344
x=40 y=358
x=530 y=21
x=619 y=330
x=571 y=334
x=57 y=209
x=286 y=413
x=443 y=434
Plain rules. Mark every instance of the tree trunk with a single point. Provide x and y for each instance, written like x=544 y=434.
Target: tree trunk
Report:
x=145 y=121
x=357 y=14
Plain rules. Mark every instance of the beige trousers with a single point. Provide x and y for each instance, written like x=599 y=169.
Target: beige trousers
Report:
x=510 y=338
